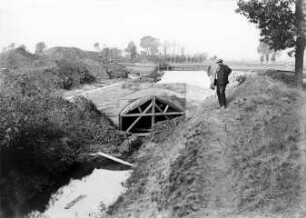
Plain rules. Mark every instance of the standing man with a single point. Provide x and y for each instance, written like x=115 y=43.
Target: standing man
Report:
x=221 y=80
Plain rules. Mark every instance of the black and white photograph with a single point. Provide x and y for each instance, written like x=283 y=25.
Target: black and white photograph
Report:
x=152 y=109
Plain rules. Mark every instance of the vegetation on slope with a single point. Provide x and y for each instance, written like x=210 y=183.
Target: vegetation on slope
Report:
x=92 y=61
x=221 y=163
x=42 y=139
x=20 y=66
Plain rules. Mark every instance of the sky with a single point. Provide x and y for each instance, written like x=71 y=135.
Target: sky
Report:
x=210 y=26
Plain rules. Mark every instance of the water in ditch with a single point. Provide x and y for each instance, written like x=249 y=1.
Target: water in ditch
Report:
x=86 y=197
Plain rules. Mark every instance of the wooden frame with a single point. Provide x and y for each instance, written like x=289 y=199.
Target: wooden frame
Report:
x=153 y=110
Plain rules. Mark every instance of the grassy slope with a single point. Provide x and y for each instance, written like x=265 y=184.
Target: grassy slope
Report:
x=244 y=160
x=90 y=60
x=20 y=66
x=42 y=139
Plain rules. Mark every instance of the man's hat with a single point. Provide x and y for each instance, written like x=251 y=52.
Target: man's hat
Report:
x=219 y=61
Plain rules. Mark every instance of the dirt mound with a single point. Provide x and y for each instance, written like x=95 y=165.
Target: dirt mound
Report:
x=221 y=163
x=67 y=53
x=91 y=60
x=28 y=71
x=19 y=59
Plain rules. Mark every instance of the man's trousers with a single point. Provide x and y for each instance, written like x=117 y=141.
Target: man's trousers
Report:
x=221 y=94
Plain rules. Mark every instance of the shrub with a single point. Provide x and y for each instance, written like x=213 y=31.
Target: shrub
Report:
x=41 y=138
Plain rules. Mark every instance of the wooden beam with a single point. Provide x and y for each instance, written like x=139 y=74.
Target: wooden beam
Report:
x=112 y=158
x=153 y=112
x=166 y=108
x=156 y=114
x=162 y=111
x=75 y=201
x=138 y=117
x=120 y=122
x=139 y=109
x=141 y=134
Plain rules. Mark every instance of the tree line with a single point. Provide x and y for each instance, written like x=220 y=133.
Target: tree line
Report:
x=152 y=50
x=39 y=47
x=267 y=54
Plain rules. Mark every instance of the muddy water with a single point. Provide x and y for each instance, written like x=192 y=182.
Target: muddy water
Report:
x=87 y=196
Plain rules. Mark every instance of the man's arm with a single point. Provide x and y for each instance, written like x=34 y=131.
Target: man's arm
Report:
x=229 y=70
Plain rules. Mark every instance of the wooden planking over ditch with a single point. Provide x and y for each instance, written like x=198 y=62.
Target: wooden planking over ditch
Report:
x=112 y=100
x=155 y=108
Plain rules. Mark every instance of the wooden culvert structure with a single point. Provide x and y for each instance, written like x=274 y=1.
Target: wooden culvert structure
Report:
x=140 y=116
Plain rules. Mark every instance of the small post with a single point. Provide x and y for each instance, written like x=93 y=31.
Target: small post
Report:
x=153 y=112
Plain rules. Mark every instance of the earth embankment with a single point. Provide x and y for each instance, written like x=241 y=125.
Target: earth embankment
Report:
x=244 y=161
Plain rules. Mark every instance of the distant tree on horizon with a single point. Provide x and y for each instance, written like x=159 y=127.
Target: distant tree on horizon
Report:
x=12 y=46
x=115 y=52
x=110 y=53
x=131 y=49
x=275 y=55
x=282 y=26
x=264 y=52
x=165 y=47
x=23 y=47
x=96 y=46
x=40 y=47
x=150 y=45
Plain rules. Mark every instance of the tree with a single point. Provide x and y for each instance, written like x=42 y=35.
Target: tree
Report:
x=110 y=53
x=23 y=47
x=96 y=46
x=131 y=49
x=115 y=53
x=262 y=59
x=275 y=55
x=165 y=47
x=12 y=45
x=40 y=47
x=183 y=50
x=282 y=26
x=264 y=51
x=150 y=44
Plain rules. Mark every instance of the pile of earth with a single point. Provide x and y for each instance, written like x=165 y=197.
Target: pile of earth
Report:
x=57 y=68
x=25 y=70
x=93 y=61
x=244 y=161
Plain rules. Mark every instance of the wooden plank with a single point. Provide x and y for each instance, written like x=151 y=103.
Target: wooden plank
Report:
x=139 y=109
x=153 y=112
x=156 y=114
x=73 y=202
x=141 y=134
x=166 y=108
x=120 y=122
x=139 y=117
x=168 y=118
x=112 y=158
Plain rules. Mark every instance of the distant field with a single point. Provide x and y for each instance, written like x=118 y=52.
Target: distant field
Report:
x=146 y=68
x=141 y=68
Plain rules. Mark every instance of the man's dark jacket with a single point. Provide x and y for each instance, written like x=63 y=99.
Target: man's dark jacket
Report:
x=223 y=72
